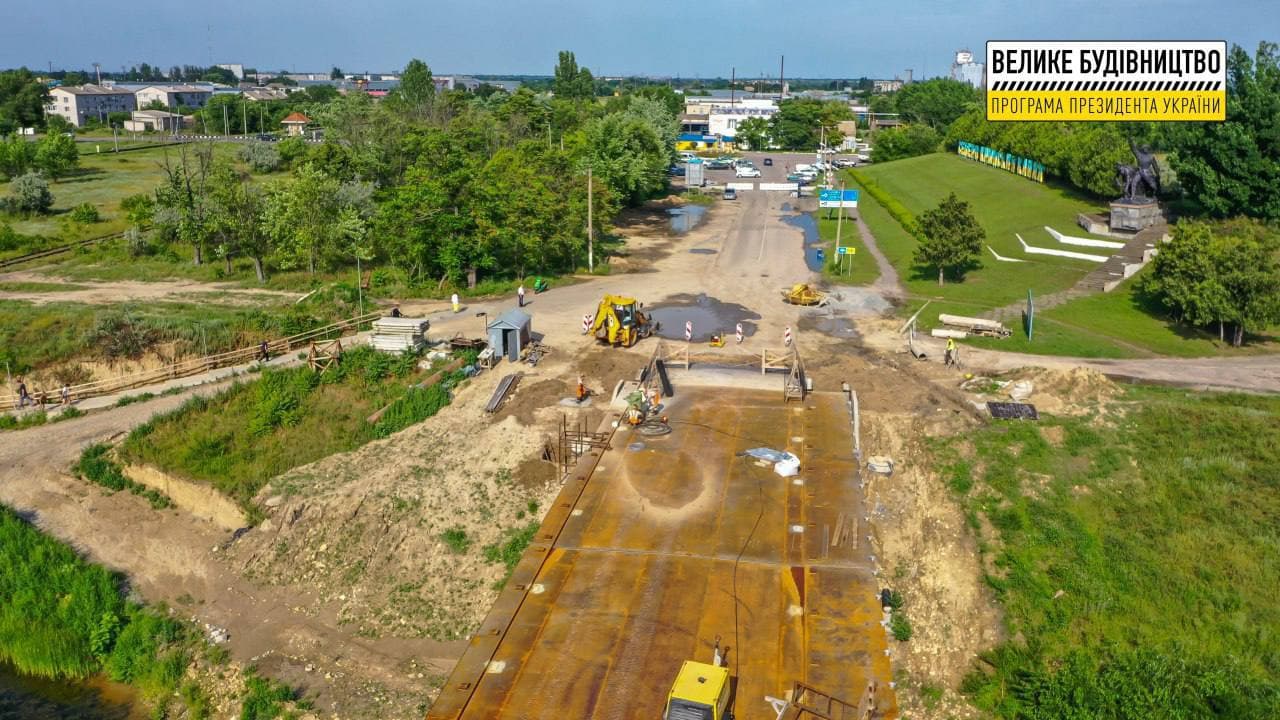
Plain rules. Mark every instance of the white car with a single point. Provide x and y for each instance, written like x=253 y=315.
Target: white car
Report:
x=747 y=172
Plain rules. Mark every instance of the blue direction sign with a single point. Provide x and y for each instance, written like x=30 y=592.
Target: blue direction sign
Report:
x=833 y=199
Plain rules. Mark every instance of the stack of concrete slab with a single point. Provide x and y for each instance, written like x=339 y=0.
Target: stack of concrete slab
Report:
x=399 y=334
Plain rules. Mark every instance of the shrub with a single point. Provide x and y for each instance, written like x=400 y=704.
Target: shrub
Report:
x=261 y=157
x=29 y=194
x=85 y=214
x=456 y=539
x=263 y=699
x=508 y=550
x=904 y=142
x=900 y=626
x=413 y=407
x=887 y=201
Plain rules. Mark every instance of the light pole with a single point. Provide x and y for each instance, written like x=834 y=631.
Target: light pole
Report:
x=591 y=261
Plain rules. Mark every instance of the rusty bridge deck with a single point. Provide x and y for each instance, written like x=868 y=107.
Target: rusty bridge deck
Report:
x=633 y=572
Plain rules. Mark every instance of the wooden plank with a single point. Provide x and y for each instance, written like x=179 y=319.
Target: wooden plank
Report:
x=500 y=394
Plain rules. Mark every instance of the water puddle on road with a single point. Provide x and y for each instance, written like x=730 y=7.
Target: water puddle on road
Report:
x=812 y=244
x=703 y=251
x=708 y=315
x=686 y=217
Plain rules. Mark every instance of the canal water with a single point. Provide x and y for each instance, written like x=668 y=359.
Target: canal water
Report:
x=30 y=698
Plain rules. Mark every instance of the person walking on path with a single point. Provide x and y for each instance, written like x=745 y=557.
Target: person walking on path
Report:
x=520 y=295
x=65 y=392
x=264 y=351
x=457 y=306
x=24 y=397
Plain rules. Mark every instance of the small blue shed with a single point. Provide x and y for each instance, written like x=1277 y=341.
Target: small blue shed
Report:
x=509 y=333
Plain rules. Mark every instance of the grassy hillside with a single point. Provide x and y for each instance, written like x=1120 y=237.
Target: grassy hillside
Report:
x=1119 y=324
x=1136 y=555
x=1004 y=204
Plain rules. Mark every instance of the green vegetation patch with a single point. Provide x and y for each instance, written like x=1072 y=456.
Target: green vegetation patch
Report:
x=61 y=617
x=1136 y=557
x=861 y=269
x=1003 y=203
x=242 y=437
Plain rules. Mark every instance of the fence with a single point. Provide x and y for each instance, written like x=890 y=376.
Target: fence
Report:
x=198 y=365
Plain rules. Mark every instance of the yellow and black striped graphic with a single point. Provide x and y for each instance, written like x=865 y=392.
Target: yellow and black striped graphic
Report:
x=1106 y=80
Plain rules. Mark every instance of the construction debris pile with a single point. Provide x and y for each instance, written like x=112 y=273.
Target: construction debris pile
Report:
x=398 y=334
x=960 y=327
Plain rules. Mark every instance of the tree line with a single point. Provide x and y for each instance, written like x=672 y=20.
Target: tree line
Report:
x=447 y=188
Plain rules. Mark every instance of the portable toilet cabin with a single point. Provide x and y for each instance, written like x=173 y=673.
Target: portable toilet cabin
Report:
x=509 y=333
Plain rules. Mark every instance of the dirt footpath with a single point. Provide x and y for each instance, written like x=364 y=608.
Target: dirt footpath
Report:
x=106 y=293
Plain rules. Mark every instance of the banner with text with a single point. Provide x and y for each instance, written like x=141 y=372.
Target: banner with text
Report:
x=1025 y=167
x=1106 y=80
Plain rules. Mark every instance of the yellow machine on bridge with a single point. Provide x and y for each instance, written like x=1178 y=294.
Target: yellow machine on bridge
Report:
x=619 y=321
x=700 y=692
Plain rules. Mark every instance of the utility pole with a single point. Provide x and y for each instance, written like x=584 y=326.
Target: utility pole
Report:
x=591 y=258
x=359 y=283
x=839 y=222
x=226 y=122
x=733 y=71
x=244 y=115
x=782 y=66
x=97 y=68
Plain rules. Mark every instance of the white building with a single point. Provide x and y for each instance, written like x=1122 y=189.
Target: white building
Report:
x=723 y=116
x=174 y=96
x=81 y=103
x=155 y=120
x=965 y=69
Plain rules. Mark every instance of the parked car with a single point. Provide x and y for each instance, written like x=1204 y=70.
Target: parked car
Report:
x=747 y=172
x=802 y=178
x=730 y=194
x=686 y=156
x=676 y=170
x=768 y=162
x=846 y=162
x=719 y=164
x=743 y=162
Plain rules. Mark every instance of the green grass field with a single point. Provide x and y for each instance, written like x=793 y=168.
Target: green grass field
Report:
x=861 y=269
x=1135 y=554
x=102 y=180
x=1107 y=325
x=1003 y=203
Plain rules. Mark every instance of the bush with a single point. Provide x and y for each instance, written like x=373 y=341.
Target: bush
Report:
x=85 y=214
x=456 y=539
x=261 y=157
x=29 y=194
x=904 y=142
x=900 y=626
x=512 y=546
x=263 y=699
x=896 y=209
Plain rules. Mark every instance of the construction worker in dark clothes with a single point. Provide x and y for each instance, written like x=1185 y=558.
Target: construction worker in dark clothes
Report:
x=264 y=351
x=395 y=311
x=24 y=398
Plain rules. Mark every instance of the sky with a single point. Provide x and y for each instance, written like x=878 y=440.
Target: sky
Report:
x=846 y=38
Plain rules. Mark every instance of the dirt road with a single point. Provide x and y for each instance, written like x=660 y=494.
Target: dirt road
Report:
x=169 y=556
x=42 y=289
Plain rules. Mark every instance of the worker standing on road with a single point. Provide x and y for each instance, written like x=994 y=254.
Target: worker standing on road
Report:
x=457 y=306
x=520 y=295
x=950 y=358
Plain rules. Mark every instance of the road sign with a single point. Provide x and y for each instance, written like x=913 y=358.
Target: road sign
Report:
x=846 y=250
x=832 y=198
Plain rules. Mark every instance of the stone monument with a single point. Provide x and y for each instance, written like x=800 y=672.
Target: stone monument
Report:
x=1137 y=210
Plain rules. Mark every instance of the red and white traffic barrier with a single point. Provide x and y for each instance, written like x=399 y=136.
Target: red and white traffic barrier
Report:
x=738 y=332
x=688 y=331
x=786 y=336
x=586 y=324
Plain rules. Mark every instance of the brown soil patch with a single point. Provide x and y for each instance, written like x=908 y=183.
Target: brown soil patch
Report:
x=530 y=397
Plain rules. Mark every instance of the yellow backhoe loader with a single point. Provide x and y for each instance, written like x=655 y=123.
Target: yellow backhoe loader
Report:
x=804 y=294
x=619 y=322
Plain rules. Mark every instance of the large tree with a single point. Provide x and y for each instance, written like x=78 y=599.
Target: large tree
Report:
x=237 y=208
x=22 y=100
x=1226 y=276
x=802 y=123
x=572 y=82
x=937 y=102
x=1233 y=168
x=626 y=153
x=183 y=196
x=17 y=156
x=416 y=92
x=950 y=237
x=904 y=142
